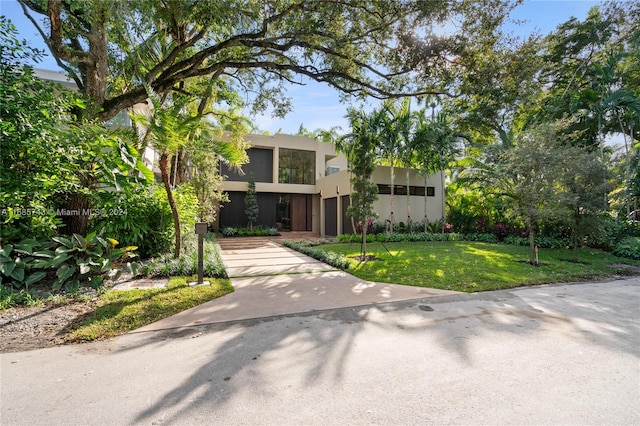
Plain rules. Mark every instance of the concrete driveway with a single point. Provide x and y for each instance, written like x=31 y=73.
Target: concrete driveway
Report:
x=543 y=355
x=270 y=279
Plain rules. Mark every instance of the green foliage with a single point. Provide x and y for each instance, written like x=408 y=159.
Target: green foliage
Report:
x=376 y=50
x=229 y=231
x=188 y=210
x=484 y=238
x=360 y=146
x=526 y=175
x=402 y=237
x=251 y=202
x=187 y=264
x=613 y=232
x=10 y=297
x=328 y=257
x=50 y=159
x=67 y=262
x=259 y=231
x=540 y=241
x=143 y=221
x=207 y=183
x=628 y=247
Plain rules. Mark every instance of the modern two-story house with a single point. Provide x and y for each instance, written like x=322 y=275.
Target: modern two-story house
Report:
x=303 y=185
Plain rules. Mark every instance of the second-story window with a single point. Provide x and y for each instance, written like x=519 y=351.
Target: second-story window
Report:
x=297 y=166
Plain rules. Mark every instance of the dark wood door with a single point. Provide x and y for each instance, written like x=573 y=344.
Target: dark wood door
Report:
x=298 y=212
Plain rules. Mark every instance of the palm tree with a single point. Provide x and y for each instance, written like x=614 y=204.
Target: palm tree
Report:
x=172 y=128
x=359 y=147
x=404 y=121
x=435 y=146
x=389 y=146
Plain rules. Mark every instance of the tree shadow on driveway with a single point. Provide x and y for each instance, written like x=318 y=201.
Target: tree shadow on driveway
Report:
x=266 y=357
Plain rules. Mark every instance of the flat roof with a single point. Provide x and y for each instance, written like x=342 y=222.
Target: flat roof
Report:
x=56 y=77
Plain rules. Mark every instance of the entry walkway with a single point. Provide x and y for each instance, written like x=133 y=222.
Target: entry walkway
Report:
x=270 y=279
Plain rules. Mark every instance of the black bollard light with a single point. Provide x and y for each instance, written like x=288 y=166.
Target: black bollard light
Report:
x=201 y=230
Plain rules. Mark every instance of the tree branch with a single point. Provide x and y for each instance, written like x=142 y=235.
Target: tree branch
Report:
x=62 y=65
x=57 y=47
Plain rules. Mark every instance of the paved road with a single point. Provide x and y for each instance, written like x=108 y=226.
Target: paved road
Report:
x=560 y=354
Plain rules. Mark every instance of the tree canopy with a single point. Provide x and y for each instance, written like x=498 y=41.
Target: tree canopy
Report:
x=385 y=48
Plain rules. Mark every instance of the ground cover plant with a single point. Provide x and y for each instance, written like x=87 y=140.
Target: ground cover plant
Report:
x=167 y=265
x=120 y=311
x=475 y=266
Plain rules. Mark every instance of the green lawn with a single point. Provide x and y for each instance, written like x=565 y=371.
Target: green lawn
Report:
x=122 y=311
x=471 y=266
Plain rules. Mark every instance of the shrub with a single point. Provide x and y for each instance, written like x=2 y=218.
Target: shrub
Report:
x=332 y=258
x=187 y=264
x=145 y=222
x=397 y=237
x=613 y=232
x=68 y=262
x=484 y=237
x=259 y=231
x=629 y=248
x=229 y=232
x=540 y=241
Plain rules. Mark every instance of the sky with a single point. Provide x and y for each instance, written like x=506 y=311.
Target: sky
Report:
x=317 y=106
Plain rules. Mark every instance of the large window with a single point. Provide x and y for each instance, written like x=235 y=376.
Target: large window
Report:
x=402 y=190
x=260 y=164
x=297 y=166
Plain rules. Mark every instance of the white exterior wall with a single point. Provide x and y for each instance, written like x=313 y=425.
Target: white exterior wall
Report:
x=382 y=175
x=338 y=185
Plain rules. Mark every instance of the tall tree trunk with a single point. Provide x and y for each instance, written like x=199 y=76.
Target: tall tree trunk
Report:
x=75 y=214
x=532 y=244
x=164 y=171
x=575 y=233
x=364 y=241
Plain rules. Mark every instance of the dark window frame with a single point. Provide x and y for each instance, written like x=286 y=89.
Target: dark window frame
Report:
x=301 y=169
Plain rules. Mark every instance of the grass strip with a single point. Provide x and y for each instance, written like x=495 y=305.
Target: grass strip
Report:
x=121 y=311
x=475 y=266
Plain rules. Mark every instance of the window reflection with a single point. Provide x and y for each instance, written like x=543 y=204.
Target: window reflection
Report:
x=297 y=166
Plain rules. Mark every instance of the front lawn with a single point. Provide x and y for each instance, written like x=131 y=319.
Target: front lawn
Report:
x=473 y=266
x=122 y=311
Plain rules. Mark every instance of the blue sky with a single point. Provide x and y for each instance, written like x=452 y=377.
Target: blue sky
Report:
x=317 y=105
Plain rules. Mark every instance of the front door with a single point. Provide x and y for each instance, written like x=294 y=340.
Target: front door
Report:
x=300 y=212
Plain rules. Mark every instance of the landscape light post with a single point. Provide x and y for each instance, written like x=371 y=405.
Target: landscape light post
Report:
x=201 y=230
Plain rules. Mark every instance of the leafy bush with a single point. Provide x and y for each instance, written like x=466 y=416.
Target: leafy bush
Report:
x=629 y=248
x=67 y=262
x=187 y=264
x=614 y=232
x=229 y=232
x=145 y=221
x=540 y=241
x=400 y=237
x=188 y=210
x=485 y=238
x=259 y=231
x=332 y=258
